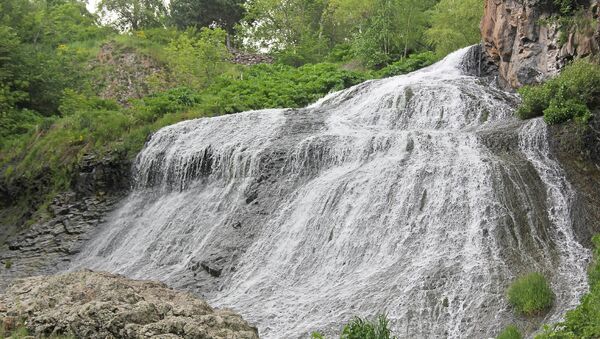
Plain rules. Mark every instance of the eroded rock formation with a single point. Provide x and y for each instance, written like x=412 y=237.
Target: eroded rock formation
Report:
x=90 y=304
x=524 y=40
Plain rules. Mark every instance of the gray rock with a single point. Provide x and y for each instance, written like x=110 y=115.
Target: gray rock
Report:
x=90 y=304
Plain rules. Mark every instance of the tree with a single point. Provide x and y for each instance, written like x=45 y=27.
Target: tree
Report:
x=12 y=88
x=134 y=14
x=454 y=24
x=292 y=27
x=198 y=60
x=395 y=28
x=204 y=13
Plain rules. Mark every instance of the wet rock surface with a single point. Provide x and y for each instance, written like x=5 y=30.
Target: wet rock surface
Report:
x=578 y=150
x=521 y=37
x=90 y=304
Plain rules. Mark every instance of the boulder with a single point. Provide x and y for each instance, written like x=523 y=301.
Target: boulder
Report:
x=90 y=304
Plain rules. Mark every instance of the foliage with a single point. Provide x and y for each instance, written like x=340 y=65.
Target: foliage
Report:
x=291 y=27
x=196 y=60
x=583 y=321
x=134 y=14
x=454 y=24
x=570 y=95
x=530 y=294
x=271 y=86
x=204 y=13
x=360 y=328
x=395 y=29
x=12 y=87
x=410 y=64
x=510 y=332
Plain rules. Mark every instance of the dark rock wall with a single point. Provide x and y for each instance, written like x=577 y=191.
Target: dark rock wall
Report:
x=69 y=220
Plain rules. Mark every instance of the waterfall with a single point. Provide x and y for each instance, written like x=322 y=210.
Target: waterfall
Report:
x=418 y=196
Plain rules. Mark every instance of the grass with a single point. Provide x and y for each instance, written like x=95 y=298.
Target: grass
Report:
x=531 y=294
x=510 y=332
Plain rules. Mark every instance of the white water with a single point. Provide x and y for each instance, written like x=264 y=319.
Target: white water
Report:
x=386 y=197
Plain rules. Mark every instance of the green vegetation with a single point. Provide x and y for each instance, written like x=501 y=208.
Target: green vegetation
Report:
x=570 y=95
x=359 y=328
x=510 y=332
x=8 y=264
x=583 y=321
x=530 y=294
x=374 y=33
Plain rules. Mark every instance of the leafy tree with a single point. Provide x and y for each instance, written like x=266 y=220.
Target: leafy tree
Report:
x=293 y=27
x=198 y=60
x=134 y=14
x=454 y=24
x=12 y=88
x=394 y=30
x=70 y=21
x=343 y=19
x=204 y=13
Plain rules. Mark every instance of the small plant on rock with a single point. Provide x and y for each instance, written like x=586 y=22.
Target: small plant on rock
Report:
x=510 y=332
x=531 y=294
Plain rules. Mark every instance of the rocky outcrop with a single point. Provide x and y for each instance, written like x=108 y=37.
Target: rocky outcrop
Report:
x=249 y=59
x=101 y=305
x=523 y=40
x=48 y=243
x=126 y=73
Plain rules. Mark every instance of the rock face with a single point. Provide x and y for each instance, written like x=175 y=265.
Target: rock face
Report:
x=45 y=246
x=101 y=305
x=522 y=39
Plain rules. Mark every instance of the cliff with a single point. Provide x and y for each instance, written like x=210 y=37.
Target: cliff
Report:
x=530 y=40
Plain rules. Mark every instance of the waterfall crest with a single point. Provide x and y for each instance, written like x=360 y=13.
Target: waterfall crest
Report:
x=419 y=196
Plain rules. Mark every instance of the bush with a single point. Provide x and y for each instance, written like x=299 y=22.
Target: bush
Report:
x=409 y=64
x=530 y=294
x=363 y=329
x=559 y=112
x=571 y=95
x=277 y=86
x=359 y=328
x=510 y=332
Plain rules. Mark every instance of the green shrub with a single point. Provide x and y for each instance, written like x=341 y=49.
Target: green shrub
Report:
x=510 y=332
x=8 y=264
x=360 y=328
x=559 y=112
x=535 y=99
x=570 y=95
x=277 y=86
x=409 y=64
x=530 y=294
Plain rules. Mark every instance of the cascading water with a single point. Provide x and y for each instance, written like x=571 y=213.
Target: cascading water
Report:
x=418 y=196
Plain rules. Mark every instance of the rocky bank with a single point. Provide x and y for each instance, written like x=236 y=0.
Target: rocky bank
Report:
x=90 y=304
